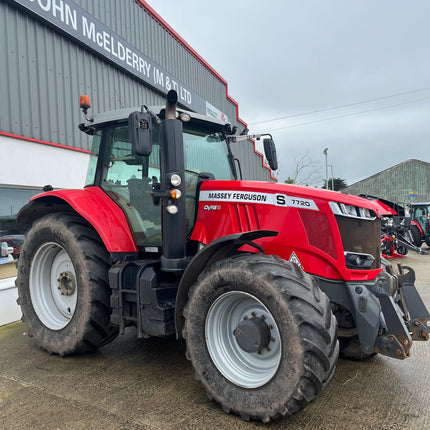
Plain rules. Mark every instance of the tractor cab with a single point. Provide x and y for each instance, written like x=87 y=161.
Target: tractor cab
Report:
x=132 y=179
x=152 y=162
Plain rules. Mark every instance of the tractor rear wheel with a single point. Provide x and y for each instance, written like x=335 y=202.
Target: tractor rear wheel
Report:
x=260 y=335
x=63 y=285
x=416 y=235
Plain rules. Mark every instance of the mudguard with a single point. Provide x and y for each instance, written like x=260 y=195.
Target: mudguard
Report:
x=418 y=227
x=209 y=255
x=93 y=205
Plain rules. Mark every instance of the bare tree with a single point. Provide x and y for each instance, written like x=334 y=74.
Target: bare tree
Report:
x=306 y=171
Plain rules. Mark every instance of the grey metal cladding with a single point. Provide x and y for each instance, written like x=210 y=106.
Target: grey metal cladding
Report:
x=251 y=164
x=149 y=37
x=47 y=71
x=397 y=183
x=43 y=73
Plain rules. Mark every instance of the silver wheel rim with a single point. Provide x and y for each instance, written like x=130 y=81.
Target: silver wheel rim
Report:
x=245 y=369
x=53 y=287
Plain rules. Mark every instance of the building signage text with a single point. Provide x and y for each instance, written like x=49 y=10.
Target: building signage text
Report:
x=78 y=23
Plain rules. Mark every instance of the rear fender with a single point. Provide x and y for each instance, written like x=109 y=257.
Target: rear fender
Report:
x=418 y=227
x=210 y=254
x=94 y=206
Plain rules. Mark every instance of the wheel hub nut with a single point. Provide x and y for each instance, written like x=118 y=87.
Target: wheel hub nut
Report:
x=66 y=283
x=252 y=335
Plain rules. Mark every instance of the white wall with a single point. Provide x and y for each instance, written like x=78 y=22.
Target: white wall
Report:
x=9 y=310
x=30 y=164
x=26 y=163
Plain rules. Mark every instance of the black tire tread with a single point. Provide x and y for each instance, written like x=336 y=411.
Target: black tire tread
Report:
x=317 y=327
x=416 y=235
x=98 y=330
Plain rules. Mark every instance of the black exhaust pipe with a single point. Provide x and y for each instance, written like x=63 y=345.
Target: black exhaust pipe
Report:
x=171 y=100
x=172 y=168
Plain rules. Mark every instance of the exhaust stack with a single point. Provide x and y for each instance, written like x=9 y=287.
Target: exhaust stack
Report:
x=173 y=188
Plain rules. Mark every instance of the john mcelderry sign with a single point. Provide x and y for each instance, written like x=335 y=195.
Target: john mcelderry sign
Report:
x=75 y=21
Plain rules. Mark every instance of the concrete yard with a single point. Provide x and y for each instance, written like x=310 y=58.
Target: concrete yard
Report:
x=148 y=384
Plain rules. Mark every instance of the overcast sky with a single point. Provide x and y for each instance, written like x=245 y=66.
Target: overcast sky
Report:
x=291 y=57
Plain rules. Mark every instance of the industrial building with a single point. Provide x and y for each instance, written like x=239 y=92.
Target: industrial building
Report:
x=119 y=52
x=406 y=182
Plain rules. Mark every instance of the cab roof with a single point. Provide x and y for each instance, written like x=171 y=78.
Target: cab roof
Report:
x=123 y=114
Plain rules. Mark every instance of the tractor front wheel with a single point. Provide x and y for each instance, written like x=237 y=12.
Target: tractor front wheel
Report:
x=260 y=335
x=63 y=285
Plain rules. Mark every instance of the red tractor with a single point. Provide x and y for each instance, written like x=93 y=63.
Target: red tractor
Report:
x=420 y=228
x=265 y=282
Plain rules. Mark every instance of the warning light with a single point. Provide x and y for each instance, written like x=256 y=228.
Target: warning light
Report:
x=84 y=102
x=175 y=194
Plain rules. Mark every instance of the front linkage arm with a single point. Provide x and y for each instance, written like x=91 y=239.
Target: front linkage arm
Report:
x=412 y=304
x=389 y=313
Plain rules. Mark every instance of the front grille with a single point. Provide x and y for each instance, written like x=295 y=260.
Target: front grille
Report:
x=362 y=236
x=318 y=231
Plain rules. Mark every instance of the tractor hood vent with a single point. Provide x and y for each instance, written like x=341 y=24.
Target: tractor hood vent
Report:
x=351 y=211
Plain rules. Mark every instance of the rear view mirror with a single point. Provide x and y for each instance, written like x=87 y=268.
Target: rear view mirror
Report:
x=270 y=153
x=140 y=130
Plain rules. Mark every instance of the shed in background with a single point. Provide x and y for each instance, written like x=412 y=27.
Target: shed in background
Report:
x=406 y=182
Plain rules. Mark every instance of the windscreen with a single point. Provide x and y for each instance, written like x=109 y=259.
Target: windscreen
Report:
x=129 y=178
x=207 y=153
